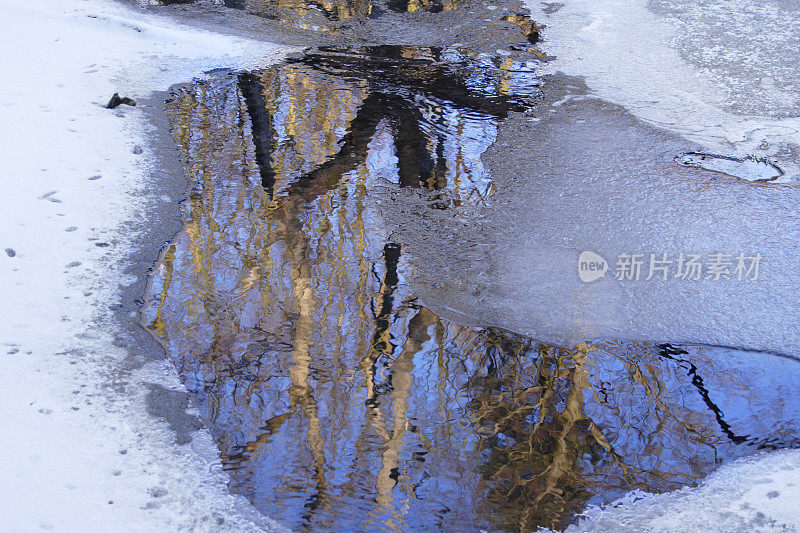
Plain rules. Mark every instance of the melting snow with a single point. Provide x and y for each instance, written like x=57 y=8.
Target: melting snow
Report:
x=78 y=451
x=681 y=74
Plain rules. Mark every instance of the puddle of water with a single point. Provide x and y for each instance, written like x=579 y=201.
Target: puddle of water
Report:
x=748 y=168
x=312 y=14
x=340 y=402
x=434 y=6
x=416 y=117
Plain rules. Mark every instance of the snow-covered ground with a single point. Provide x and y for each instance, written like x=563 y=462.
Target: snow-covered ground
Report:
x=722 y=74
x=77 y=449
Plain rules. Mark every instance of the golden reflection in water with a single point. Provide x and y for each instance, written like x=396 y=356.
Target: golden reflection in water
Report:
x=313 y=14
x=528 y=27
x=301 y=12
x=428 y=5
x=336 y=399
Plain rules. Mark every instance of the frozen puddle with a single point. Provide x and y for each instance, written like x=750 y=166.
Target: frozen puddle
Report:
x=338 y=401
x=749 y=168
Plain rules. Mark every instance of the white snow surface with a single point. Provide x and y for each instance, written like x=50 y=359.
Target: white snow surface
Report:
x=74 y=454
x=720 y=73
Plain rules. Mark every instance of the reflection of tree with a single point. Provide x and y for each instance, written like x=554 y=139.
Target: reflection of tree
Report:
x=263 y=134
x=403 y=82
x=336 y=399
x=535 y=434
x=545 y=414
x=401 y=382
x=673 y=353
x=434 y=6
x=298 y=11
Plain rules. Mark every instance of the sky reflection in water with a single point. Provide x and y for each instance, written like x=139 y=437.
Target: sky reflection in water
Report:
x=337 y=400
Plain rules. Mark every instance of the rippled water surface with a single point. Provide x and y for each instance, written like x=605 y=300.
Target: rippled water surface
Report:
x=339 y=401
x=314 y=13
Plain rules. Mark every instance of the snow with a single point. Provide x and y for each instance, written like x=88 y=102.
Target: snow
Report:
x=78 y=450
x=757 y=494
x=719 y=74
x=749 y=168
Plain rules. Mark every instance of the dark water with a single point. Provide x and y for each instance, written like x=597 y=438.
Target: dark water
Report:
x=337 y=399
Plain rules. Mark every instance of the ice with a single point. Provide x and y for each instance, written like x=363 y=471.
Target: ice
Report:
x=721 y=73
x=749 y=168
x=595 y=179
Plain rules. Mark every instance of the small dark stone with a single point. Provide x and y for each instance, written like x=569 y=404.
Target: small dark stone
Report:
x=10 y=252
x=137 y=150
x=117 y=101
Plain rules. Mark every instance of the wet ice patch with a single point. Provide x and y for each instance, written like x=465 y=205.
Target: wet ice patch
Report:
x=749 y=168
x=739 y=83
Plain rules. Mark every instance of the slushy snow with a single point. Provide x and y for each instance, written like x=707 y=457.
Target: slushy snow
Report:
x=722 y=73
x=76 y=453
x=719 y=73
